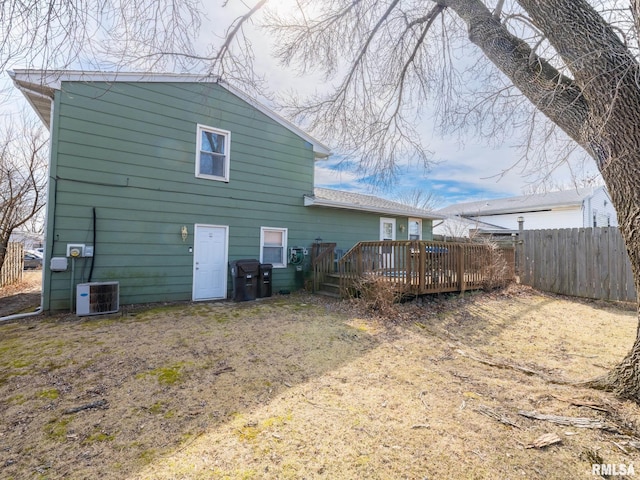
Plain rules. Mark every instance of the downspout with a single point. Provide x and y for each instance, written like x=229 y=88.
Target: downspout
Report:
x=38 y=310
x=94 y=246
x=18 y=316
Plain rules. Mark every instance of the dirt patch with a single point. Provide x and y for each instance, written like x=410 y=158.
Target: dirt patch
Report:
x=295 y=387
x=23 y=296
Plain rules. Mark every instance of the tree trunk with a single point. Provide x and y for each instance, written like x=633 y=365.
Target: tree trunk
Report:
x=607 y=73
x=4 y=244
x=622 y=176
x=598 y=107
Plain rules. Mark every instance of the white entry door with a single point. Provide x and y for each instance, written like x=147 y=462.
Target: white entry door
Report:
x=387 y=232
x=210 y=262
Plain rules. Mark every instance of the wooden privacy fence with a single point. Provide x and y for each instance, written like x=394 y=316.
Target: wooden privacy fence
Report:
x=582 y=262
x=13 y=266
x=423 y=267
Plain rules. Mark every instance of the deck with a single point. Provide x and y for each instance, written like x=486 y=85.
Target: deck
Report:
x=418 y=267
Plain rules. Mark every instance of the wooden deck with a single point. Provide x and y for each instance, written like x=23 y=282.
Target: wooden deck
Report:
x=419 y=267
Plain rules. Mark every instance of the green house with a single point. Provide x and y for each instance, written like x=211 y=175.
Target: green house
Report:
x=160 y=181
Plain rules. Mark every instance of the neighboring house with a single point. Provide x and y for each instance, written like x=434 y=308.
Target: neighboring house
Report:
x=576 y=208
x=30 y=240
x=162 y=180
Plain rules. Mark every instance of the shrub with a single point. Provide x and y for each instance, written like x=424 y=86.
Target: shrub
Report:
x=496 y=271
x=379 y=294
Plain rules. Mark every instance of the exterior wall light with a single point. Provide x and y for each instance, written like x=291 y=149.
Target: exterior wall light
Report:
x=184 y=233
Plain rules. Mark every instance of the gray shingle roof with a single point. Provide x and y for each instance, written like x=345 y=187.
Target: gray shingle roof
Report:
x=523 y=203
x=325 y=197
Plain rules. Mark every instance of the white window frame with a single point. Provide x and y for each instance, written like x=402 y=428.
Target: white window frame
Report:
x=285 y=239
x=419 y=222
x=227 y=134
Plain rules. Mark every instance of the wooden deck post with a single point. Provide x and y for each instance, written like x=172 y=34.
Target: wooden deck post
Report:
x=422 y=266
x=461 y=268
x=408 y=269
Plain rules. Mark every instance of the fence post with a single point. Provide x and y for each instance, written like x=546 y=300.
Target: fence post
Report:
x=520 y=249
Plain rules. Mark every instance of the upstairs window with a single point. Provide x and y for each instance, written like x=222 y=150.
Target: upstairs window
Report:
x=273 y=246
x=212 y=154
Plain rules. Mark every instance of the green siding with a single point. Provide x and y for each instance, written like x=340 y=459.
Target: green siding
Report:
x=128 y=150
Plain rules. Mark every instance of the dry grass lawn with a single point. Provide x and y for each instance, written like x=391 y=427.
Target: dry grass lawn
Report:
x=298 y=387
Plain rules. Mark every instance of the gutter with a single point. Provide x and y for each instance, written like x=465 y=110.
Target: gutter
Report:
x=28 y=92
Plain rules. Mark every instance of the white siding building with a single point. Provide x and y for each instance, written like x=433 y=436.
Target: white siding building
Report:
x=576 y=208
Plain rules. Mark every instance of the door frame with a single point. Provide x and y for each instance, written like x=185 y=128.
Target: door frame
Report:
x=386 y=256
x=387 y=220
x=195 y=255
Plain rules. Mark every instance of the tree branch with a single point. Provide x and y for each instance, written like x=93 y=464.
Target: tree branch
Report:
x=232 y=32
x=556 y=95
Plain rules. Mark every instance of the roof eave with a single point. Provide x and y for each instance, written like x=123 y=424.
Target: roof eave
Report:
x=311 y=201
x=47 y=81
x=515 y=211
x=40 y=97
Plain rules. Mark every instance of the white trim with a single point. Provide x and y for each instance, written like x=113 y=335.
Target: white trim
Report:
x=384 y=220
x=227 y=152
x=226 y=261
x=285 y=240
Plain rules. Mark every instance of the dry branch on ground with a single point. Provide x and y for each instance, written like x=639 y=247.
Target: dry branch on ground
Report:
x=578 y=422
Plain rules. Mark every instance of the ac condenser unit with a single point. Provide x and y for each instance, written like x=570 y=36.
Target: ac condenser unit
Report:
x=97 y=298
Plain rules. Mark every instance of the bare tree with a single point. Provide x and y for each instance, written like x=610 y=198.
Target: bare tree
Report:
x=458 y=227
x=419 y=198
x=114 y=33
x=564 y=72
x=23 y=158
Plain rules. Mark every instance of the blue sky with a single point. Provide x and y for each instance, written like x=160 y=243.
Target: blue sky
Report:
x=445 y=180
x=459 y=175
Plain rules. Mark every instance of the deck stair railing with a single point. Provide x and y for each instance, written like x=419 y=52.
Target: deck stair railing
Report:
x=322 y=263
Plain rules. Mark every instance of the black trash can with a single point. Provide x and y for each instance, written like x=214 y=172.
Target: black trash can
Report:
x=245 y=279
x=264 y=281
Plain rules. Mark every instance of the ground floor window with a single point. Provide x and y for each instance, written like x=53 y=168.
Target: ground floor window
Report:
x=415 y=229
x=273 y=246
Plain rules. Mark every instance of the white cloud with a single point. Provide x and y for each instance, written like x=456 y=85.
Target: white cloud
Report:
x=332 y=178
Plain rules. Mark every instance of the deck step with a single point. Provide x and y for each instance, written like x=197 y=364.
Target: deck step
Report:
x=332 y=279
x=330 y=286
x=327 y=293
